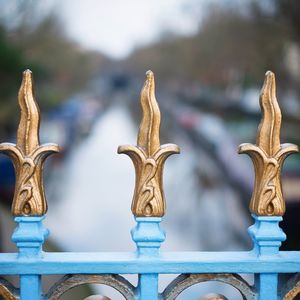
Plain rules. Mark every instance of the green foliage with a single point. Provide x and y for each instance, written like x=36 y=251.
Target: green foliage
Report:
x=231 y=46
x=11 y=65
x=60 y=67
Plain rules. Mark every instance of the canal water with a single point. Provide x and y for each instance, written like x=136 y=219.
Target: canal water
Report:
x=90 y=207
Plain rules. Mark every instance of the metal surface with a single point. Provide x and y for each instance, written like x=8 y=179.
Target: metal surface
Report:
x=149 y=157
x=8 y=291
x=265 y=260
x=292 y=288
x=266 y=235
x=68 y=282
x=28 y=155
x=184 y=281
x=165 y=263
x=268 y=155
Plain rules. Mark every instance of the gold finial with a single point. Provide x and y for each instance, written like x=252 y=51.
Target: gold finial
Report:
x=148 y=137
x=28 y=155
x=148 y=157
x=268 y=155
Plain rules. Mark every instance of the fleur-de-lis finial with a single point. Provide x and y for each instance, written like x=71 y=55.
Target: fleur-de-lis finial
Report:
x=148 y=157
x=268 y=155
x=28 y=155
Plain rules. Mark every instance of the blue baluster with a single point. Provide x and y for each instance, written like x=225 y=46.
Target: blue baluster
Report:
x=29 y=203
x=267 y=203
x=148 y=237
x=267 y=237
x=148 y=204
x=29 y=237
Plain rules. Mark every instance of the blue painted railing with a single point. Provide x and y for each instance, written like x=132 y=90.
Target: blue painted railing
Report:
x=265 y=260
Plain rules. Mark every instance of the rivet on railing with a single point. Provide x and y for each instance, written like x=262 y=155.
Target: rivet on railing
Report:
x=148 y=157
x=268 y=155
x=28 y=155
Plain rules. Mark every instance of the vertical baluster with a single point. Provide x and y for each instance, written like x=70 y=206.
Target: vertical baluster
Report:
x=148 y=237
x=148 y=286
x=267 y=237
x=148 y=205
x=29 y=203
x=267 y=286
x=267 y=204
x=30 y=287
x=29 y=237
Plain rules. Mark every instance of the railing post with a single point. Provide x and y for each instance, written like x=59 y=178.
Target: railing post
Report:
x=29 y=203
x=30 y=287
x=267 y=237
x=29 y=237
x=267 y=204
x=148 y=237
x=148 y=205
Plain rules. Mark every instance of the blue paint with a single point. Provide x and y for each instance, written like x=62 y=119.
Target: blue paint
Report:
x=148 y=287
x=267 y=286
x=148 y=236
x=30 y=235
x=266 y=235
x=165 y=263
x=31 y=287
x=265 y=260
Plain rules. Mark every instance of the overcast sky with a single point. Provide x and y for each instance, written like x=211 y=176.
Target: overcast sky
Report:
x=116 y=27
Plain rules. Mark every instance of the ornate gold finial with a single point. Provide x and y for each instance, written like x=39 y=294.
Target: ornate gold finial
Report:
x=28 y=155
x=268 y=155
x=148 y=157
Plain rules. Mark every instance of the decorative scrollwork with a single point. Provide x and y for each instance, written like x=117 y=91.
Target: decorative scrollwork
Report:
x=268 y=155
x=148 y=157
x=28 y=155
x=292 y=288
x=8 y=291
x=184 y=281
x=68 y=282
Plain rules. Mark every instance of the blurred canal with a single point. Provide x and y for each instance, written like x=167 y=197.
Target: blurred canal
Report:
x=91 y=197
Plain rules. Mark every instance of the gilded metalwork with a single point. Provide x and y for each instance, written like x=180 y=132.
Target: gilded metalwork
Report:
x=184 y=281
x=28 y=155
x=148 y=157
x=68 y=282
x=268 y=155
x=8 y=291
x=292 y=288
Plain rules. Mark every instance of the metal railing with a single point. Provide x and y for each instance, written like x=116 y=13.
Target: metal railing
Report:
x=267 y=206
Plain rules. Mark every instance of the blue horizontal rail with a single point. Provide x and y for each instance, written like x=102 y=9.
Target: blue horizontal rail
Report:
x=166 y=263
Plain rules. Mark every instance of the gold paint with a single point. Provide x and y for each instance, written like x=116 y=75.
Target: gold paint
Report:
x=268 y=155
x=6 y=294
x=293 y=293
x=28 y=155
x=291 y=290
x=148 y=157
x=8 y=291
